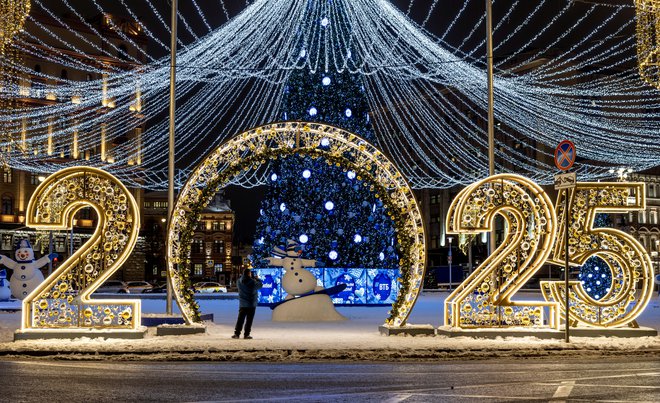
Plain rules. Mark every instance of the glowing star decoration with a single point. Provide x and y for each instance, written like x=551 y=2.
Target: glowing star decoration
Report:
x=63 y=300
x=648 y=43
x=27 y=275
x=630 y=265
x=484 y=298
x=343 y=149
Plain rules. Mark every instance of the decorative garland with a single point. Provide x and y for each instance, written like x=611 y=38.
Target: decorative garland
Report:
x=281 y=140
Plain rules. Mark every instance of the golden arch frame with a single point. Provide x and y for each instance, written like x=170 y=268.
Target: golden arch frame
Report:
x=251 y=149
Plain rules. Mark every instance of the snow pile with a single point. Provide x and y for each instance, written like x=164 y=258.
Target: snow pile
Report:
x=357 y=338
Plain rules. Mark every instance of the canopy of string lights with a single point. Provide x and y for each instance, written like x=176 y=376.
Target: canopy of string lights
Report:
x=427 y=94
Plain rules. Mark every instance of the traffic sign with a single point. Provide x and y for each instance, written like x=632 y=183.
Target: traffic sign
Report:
x=565 y=180
x=565 y=155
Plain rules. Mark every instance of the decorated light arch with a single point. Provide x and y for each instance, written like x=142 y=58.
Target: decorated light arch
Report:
x=251 y=149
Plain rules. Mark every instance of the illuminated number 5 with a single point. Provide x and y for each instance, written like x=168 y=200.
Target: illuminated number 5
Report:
x=63 y=299
x=632 y=273
x=484 y=298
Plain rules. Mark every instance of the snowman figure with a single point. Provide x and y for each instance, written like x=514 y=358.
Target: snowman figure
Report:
x=27 y=275
x=296 y=280
x=5 y=292
x=305 y=301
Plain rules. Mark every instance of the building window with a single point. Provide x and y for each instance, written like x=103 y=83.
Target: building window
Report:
x=435 y=199
x=218 y=246
x=7 y=242
x=198 y=269
x=160 y=204
x=59 y=244
x=7 y=206
x=197 y=246
x=434 y=242
x=217 y=267
x=34 y=179
x=642 y=217
x=218 y=226
x=6 y=175
x=435 y=219
x=653 y=216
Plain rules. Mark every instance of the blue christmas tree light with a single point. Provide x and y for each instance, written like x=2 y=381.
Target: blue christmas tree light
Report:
x=343 y=223
x=595 y=274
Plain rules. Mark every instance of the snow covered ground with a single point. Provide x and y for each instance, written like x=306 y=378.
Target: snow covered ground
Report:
x=357 y=338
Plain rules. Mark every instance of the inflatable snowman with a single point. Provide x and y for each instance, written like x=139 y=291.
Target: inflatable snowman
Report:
x=27 y=275
x=305 y=301
x=5 y=292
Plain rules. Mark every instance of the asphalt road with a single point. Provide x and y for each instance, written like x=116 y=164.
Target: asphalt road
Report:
x=611 y=379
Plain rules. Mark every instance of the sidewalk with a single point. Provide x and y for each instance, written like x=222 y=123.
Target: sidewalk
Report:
x=355 y=339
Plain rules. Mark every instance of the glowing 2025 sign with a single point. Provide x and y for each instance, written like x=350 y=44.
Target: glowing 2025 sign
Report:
x=530 y=240
x=482 y=300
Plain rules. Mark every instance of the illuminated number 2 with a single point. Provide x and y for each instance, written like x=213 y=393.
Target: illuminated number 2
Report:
x=484 y=298
x=632 y=273
x=63 y=299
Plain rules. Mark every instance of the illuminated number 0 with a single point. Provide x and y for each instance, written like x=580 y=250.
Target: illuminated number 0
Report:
x=63 y=299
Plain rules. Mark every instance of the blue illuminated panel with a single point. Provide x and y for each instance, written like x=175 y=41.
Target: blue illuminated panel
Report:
x=363 y=286
x=382 y=286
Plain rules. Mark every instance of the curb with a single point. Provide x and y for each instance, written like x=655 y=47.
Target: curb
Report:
x=288 y=355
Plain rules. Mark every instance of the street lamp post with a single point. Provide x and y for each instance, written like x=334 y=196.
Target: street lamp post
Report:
x=449 y=259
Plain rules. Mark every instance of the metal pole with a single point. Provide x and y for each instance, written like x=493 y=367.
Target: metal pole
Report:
x=50 y=251
x=450 y=261
x=170 y=171
x=491 y=113
x=566 y=217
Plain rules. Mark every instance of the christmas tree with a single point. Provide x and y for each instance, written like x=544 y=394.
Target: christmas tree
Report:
x=327 y=209
x=595 y=275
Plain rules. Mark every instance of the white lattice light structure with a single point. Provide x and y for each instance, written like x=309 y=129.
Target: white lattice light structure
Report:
x=427 y=96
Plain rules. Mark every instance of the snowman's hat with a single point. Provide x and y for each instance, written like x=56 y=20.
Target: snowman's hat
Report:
x=292 y=249
x=24 y=244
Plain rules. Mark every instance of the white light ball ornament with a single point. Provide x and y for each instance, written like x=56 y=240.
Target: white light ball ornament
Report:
x=325 y=142
x=357 y=238
x=349 y=113
x=325 y=21
x=303 y=238
x=350 y=174
x=326 y=81
x=313 y=111
x=381 y=256
x=306 y=174
x=333 y=255
x=273 y=177
x=329 y=205
x=282 y=207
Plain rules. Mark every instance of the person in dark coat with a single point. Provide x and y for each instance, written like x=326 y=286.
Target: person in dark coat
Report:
x=248 y=295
